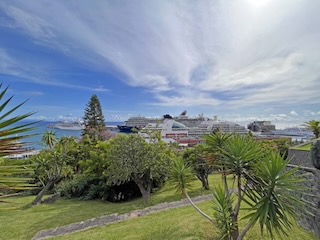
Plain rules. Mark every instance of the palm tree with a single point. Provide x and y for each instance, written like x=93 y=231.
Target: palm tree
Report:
x=49 y=138
x=11 y=135
x=314 y=126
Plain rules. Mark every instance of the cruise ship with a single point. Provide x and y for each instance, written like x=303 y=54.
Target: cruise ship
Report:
x=294 y=131
x=172 y=129
x=68 y=125
x=208 y=126
x=140 y=122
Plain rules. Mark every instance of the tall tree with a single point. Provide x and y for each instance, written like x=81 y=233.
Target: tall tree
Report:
x=314 y=126
x=130 y=157
x=94 y=121
x=12 y=132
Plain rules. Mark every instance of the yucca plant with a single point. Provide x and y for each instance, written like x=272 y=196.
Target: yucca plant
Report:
x=222 y=213
x=261 y=179
x=271 y=196
x=181 y=176
x=314 y=126
x=11 y=135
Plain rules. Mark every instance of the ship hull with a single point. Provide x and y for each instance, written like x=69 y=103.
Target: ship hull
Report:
x=125 y=129
x=69 y=128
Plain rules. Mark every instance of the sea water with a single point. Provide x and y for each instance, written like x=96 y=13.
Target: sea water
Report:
x=43 y=126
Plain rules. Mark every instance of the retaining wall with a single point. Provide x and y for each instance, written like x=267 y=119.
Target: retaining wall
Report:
x=302 y=159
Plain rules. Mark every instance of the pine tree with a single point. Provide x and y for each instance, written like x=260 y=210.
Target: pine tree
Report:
x=94 y=121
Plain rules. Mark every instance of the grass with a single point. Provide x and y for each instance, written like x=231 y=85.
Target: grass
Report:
x=306 y=147
x=177 y=224
x=18 y=221
x=24 y=222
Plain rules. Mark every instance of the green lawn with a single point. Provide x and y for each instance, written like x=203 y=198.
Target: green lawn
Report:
x=178 y=224
x=184 y=223
x=306 y=147
x=24 y=222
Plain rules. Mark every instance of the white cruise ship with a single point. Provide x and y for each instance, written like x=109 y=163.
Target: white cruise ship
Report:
x=171 y=128
x=68 y=125
x=207 y=127
x=140 y=122
x=294 y=131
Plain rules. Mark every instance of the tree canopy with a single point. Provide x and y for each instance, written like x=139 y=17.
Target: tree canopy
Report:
x=130 y=157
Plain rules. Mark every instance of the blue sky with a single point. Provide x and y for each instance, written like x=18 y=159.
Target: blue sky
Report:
x=239 y=59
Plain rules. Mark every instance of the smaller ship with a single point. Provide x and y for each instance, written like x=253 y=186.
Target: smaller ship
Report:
x=293 y=131
x=68 y=125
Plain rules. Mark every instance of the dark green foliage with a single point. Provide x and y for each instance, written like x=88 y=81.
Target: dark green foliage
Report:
x=89 y=187
x=84 y=187
x=94 y=121
x=315 y=154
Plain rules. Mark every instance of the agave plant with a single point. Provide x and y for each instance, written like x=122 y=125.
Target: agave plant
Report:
x=11 y=135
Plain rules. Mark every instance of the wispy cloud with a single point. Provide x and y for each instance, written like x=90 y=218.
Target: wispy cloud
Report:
x=187 y=53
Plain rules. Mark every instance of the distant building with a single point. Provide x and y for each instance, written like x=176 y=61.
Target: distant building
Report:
x=261 y=126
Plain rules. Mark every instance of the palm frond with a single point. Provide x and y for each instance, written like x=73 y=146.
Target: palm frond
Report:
x=12 y=177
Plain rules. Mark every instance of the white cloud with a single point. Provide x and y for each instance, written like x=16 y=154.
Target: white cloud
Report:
x=223 y=53
x=294 y=113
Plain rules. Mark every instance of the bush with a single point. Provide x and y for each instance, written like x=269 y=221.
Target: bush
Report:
x=88 y=188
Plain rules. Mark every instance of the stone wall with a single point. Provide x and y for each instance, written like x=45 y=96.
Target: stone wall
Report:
x=302 y=159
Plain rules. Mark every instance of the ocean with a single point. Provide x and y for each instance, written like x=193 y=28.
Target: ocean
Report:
x=42 y=127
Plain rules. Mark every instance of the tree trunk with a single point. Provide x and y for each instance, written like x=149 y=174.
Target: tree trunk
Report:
x=40 y=195
x=204 y=181
x=244 y=231
x=198 y=209
x=145 y=192
x=235 y=232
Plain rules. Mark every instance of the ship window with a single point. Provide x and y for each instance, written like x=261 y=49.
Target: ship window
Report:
x=178 y=125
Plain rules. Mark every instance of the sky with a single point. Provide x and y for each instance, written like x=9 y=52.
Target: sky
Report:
x=240 y=60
